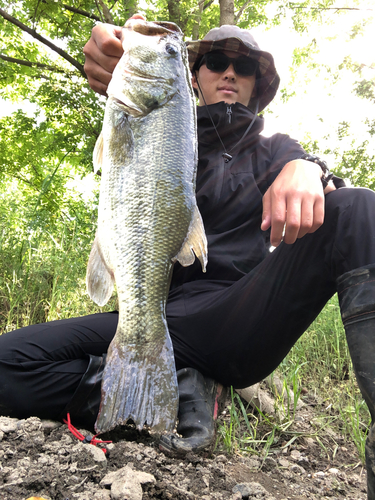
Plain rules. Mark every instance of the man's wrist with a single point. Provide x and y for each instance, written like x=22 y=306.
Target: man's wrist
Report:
x=326 y=174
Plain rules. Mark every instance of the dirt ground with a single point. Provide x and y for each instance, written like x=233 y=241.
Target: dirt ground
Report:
x=43 y=459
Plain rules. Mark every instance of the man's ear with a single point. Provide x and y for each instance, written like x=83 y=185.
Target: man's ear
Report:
x=194 y=81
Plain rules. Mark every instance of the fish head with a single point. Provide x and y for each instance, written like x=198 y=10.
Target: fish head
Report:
x=149 y=72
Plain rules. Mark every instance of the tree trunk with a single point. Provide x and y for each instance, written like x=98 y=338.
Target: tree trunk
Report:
x=226 y=12
x=197 y=20
x=130 y=8
x=177 y=15
x=174 y=11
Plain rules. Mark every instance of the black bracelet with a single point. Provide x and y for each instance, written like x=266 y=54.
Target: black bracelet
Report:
x=327 y=175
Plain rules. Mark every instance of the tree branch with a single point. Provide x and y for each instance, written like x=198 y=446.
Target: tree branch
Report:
x=325 y=8
x=44 y=40
x=114 y=3
x=81 y=12
x=239 y=13
x=208 y=4
x=30 y=64
x=197 y=17
x=106 y=13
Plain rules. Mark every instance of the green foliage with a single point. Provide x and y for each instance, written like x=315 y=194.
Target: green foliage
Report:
x=43 y=256
x=355 y=418
x=303 y=54
x=354 y=159
x=254 y=14
x=366 y=89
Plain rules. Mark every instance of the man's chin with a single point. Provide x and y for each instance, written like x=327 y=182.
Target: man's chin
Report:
x=229 y=99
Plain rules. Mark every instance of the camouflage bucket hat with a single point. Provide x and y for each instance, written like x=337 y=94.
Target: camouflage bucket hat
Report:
x=235 y=39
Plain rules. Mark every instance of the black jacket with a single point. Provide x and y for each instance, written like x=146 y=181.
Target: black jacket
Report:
x=229 y=195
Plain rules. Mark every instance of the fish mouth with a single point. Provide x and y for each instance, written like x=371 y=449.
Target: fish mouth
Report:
x=156 y=28
x=136 y=73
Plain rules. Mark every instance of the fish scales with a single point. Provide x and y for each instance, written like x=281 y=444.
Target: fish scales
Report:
x=147 y=219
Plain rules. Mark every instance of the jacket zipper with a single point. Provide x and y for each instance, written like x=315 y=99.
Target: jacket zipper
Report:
x=229 y=113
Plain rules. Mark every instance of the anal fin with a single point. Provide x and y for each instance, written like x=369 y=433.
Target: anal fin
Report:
x=99 y=279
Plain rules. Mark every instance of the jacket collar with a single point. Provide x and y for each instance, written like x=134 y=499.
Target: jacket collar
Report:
x=231 y=121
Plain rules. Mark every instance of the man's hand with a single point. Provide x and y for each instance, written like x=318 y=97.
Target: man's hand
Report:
x=102 y=53
x=294 y=200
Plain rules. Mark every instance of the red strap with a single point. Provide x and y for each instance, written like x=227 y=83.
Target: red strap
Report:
x=81 y=437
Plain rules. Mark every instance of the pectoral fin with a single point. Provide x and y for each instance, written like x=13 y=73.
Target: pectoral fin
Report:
x=99 y=279
x=195 y=243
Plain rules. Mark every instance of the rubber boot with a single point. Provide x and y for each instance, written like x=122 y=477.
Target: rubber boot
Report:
x=356 y=291
x=84 y=405
x=200 y=401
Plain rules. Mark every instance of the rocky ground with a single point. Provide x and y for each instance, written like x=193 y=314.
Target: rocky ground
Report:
x=43 y=459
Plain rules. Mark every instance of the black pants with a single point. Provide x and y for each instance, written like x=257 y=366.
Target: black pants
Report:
x=237 y=333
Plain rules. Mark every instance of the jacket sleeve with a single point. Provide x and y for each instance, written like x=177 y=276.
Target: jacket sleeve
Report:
x=274 y=153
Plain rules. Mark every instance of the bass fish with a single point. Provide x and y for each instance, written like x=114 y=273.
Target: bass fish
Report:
x=147 y=220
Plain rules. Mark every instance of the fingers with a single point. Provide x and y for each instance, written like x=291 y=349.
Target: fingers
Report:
x=266 y=215
x=303 y=216
x=318 y=219
x=108 y=40
x=294 y=218
x=97 y=76
x=102 y=53
x=277 y=217
x=293 y=206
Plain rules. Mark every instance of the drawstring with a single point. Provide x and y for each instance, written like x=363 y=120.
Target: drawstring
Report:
x=81 y=437
x=227 y=157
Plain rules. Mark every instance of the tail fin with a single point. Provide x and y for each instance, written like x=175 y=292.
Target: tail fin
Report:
x=139 y=387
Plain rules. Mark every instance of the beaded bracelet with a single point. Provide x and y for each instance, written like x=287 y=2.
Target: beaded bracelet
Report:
x=327 y=175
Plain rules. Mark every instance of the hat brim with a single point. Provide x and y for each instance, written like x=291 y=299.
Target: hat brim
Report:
x=267 y=81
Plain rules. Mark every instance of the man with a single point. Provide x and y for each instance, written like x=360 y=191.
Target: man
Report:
x=235 y=323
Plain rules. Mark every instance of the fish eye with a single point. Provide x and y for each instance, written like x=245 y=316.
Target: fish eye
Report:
x=171 y=49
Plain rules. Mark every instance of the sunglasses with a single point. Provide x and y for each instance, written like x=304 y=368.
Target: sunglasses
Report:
x=219 y=62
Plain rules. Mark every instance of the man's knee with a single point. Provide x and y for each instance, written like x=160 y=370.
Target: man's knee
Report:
x=358 y=204
x=350 y=197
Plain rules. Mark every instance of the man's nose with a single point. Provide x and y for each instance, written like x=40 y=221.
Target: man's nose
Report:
x=230 y=73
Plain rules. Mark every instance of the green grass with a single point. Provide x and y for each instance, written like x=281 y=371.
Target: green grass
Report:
x=43 y=258
x=48 y=283
x=319 y=366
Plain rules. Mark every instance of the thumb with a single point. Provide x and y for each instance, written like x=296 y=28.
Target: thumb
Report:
x=266 y=215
